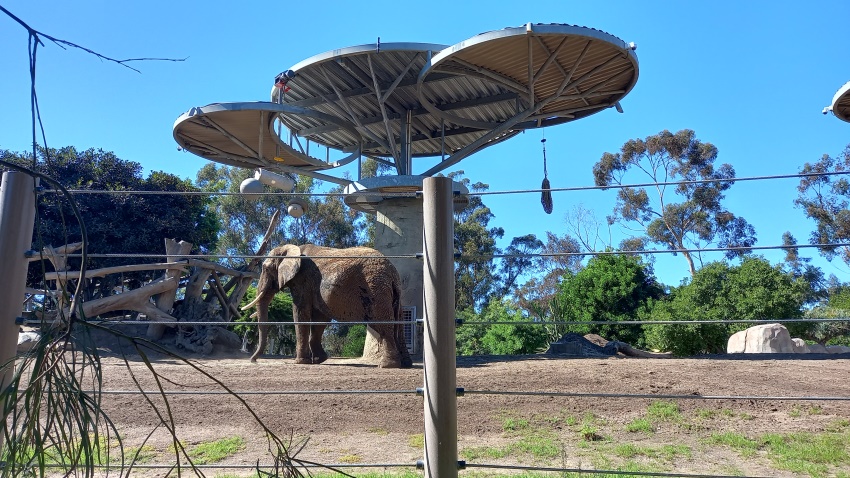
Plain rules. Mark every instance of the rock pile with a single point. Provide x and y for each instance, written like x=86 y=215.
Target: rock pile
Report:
x=775 y=338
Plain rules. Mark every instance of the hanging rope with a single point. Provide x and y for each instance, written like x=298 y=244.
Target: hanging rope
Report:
x=545 y=195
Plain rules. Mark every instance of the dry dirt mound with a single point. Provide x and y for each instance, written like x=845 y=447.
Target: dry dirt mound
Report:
x=387 y=428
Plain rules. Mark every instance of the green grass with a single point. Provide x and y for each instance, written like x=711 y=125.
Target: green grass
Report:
x=643 y=425
x=809 y=453
x=513 y=424
x=416 y=441
x=478 y=452
x=538 y=446
x=350 y=458
x=214 y=451
x=666 y=452
x=664 y=411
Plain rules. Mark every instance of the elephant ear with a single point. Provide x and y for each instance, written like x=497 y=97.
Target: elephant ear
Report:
x=288 y=267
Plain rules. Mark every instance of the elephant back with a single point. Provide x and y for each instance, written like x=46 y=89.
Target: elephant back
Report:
x=357 y=283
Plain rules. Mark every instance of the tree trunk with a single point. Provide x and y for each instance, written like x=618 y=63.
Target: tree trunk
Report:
x=165 y=301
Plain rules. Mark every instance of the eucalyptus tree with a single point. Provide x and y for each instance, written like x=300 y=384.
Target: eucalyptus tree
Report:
x=688 y=215
x=824 y=198
x=327 y=221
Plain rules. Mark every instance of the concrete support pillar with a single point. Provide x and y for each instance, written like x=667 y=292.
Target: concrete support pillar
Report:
x=17 y=215
x=439 y=356
x=399 y=232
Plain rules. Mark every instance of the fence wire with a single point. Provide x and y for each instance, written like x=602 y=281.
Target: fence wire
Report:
x=481 y=257
x=403 y=194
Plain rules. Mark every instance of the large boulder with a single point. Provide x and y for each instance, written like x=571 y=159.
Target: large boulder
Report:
x=838 y=349
x=761 y=339
x=817 y=349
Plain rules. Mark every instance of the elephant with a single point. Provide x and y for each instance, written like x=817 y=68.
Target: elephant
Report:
x=352 y=284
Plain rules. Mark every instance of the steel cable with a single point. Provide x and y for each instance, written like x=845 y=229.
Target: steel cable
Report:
x=602 y=472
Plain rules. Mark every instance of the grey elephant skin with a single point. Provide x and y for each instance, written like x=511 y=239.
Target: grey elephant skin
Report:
x=357 y=284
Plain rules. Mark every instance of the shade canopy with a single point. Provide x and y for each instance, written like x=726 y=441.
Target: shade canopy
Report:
x=399 y=101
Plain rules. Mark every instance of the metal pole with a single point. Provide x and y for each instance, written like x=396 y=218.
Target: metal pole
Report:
x=17 y=214
x=439 y=354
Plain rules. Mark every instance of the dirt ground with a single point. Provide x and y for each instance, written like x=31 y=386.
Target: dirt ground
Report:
x=387 y=428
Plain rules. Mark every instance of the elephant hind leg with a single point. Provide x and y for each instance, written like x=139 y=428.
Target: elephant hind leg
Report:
x=401 y=345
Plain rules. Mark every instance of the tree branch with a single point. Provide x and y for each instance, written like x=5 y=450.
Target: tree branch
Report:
x=62 y=43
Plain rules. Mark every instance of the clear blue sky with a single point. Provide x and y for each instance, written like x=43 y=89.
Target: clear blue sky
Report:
x=749 y=77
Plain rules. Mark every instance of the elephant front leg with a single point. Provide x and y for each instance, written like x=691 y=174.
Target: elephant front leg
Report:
x=302 y=344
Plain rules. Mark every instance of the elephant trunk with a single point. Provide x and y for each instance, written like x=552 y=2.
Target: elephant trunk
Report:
x=263 y=328
x=266 y=289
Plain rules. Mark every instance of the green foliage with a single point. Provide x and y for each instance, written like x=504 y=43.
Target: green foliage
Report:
x=825 y=199
x=356 y=341
x=699 y=219
x=610 y=288
x=837 y=306
x=469 y=335
x=281 y=337
x=116 y=223
x=245 y=219
x=475 y=278
x=755 y=290
x=501 y=338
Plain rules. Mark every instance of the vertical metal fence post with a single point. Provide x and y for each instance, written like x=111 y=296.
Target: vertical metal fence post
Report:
x=17 y=214
x=439 y=354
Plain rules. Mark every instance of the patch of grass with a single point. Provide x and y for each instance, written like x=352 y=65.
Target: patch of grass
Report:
x=747 y=416
x=664 y=411
x=538 y=446
x=815 y=410
x=666 y=452
x=378 y=431
x=142 y=455
x=214 y=451
x=477 y=452
x=705 y=413
x=640 y=425
x=513 y=424
x=839 y=425
x=416 y=441
x=795 y=412
x=350 y=458
x=743 y=445
x=807 y=452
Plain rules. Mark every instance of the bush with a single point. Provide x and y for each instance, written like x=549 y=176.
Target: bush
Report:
x=356 y=340
x=501 y=337
x=281 y=337
x=612 y=288
x=755 y=290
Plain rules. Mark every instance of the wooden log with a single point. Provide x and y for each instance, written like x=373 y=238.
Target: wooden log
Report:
x=221 y=269
x=71 y=275
x=165 y=300
x=138 y=300
x=59 y=254
x=59 y=258
x=239 y=285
